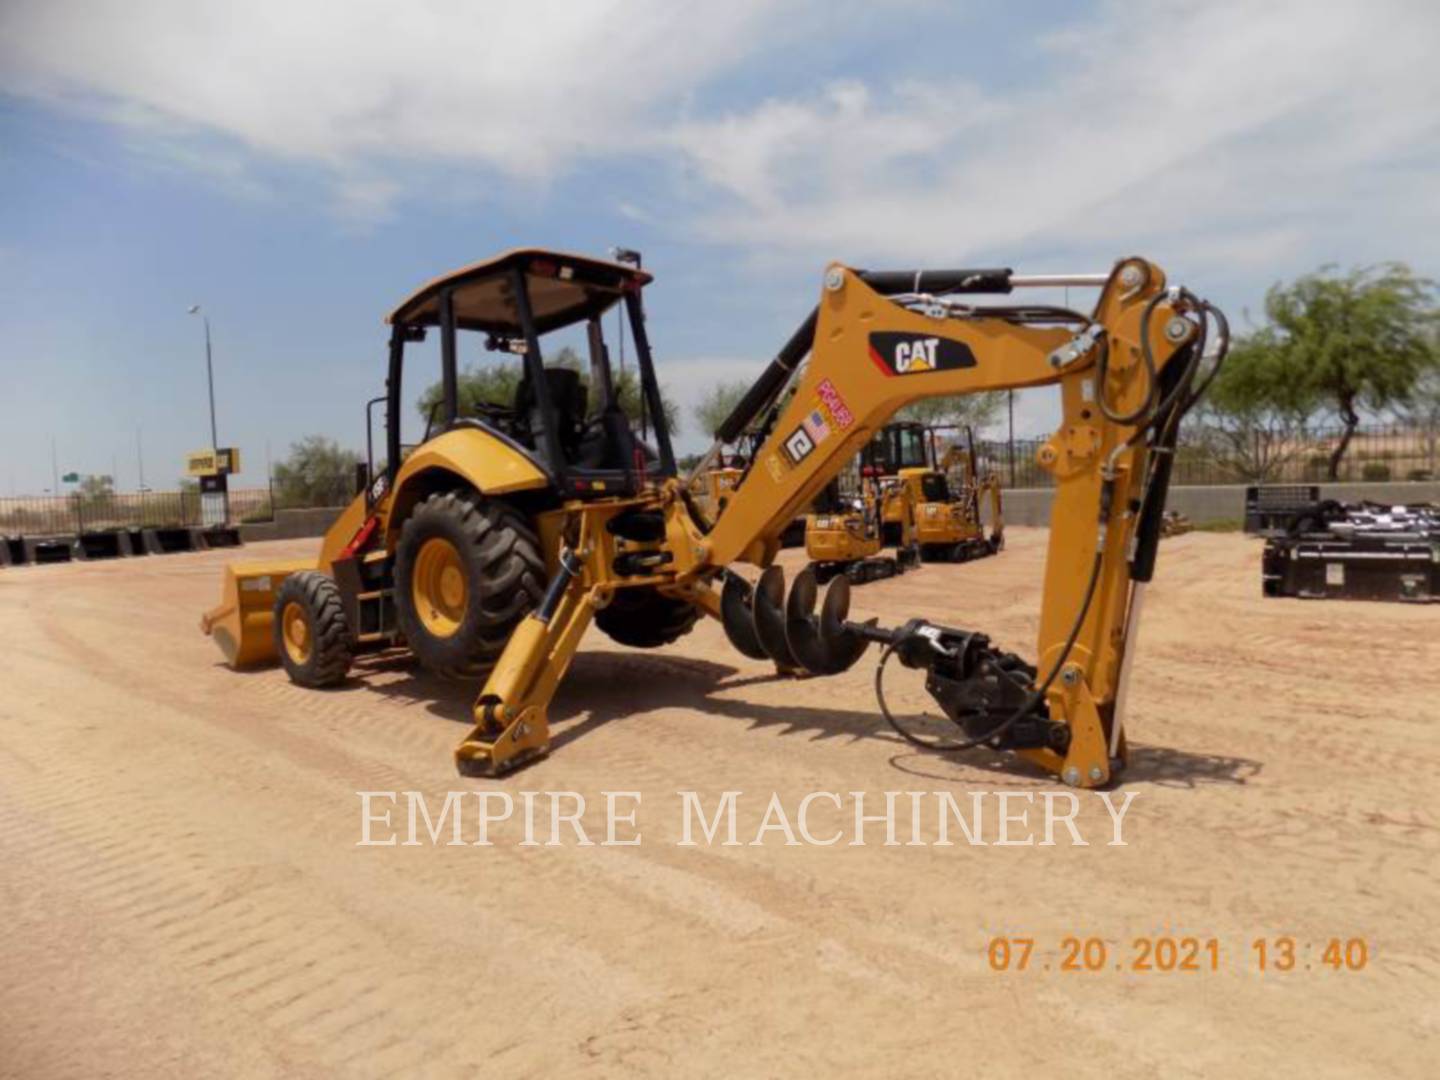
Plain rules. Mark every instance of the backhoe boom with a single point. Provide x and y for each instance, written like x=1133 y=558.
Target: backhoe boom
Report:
x=1122 y=392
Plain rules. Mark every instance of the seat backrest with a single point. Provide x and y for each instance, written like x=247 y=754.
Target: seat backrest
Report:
x=569 y=398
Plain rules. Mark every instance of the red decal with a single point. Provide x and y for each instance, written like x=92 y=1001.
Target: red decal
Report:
x=361 y=538
x=884 y=367
x=836 y=404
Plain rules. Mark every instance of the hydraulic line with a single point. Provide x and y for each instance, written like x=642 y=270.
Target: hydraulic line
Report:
x=1035 y=698
x=1167 y=409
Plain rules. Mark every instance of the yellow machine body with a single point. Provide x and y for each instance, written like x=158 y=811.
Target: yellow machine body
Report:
x=715 y=488
x=936 y=522
x=466 y=456
x=855 y=380
x=242 y=622
x=841 y=537
x=940 y=524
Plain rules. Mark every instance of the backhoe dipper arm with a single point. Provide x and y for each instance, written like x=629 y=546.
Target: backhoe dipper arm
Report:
x=871 y=355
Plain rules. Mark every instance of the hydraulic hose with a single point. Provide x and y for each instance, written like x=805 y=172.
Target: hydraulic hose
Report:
x=1035 y=698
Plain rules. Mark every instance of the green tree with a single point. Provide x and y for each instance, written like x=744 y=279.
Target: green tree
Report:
x=95 y=488
x=973 y=410
x=495 y=384
x=1253 y=419
x=1423 y=412
x=94 y=496
x=317 y=472
x=718 y=403
x=1363 y=340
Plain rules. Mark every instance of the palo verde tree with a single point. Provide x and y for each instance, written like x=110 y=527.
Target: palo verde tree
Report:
x=94 y=488
x=968 y=410
x=496 y=383
x=317 y=472
x=1422 y=411
x=1362 y=340
x=1252 y=421
x=718 y=403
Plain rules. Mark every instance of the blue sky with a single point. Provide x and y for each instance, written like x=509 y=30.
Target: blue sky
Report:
x=298 y=168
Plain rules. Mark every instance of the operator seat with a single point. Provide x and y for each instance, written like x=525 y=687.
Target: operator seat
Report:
x=569 y=398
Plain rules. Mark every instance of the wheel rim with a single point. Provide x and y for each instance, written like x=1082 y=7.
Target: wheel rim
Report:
x=296 y=631
x=439 y=588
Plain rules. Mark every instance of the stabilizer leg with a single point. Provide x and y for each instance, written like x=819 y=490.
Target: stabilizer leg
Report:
x=511 y=726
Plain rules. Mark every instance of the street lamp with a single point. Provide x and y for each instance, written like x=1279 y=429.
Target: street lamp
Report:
x=209 y=374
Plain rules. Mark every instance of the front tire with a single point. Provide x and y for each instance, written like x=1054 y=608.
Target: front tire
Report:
x=467 y=570
x=311 y=632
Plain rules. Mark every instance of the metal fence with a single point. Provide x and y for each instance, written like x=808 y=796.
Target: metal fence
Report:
x=1377 y=453
x=51 y=515
x=56 y=515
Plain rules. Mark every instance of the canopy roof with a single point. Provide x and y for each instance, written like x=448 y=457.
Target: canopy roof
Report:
x=563 y=289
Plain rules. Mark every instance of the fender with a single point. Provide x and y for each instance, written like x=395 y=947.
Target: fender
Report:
x=487 y=460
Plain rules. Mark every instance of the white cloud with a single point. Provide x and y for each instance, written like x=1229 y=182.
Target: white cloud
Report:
x=521 y=89
x=1202 y=125
x=1214 y=134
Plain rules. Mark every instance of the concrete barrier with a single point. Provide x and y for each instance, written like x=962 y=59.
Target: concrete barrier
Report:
x=1211 y=504
x=292 y=525
x=167 y=541
x=220 y=536
x=49 y=549
x=108 y=544
x=12 y=551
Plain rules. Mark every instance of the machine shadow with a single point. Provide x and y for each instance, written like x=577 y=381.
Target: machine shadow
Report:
x=1167 y=766
x=608 y=687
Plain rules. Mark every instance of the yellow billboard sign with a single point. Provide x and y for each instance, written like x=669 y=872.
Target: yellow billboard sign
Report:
x=222 y=462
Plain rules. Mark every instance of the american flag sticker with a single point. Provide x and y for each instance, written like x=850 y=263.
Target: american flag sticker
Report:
x=815 y=425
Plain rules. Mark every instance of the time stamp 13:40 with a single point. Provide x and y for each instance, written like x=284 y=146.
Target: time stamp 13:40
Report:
x=1177 y=954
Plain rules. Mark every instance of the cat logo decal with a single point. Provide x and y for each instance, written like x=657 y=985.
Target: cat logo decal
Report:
x=915 y=354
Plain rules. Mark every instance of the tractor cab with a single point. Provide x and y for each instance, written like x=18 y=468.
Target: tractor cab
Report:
x=590 y=433
x=900 y=445
x=934 y=488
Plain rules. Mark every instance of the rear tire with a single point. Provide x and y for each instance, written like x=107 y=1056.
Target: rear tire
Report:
x=311 y=632
x=467 y=570
x=643 y=618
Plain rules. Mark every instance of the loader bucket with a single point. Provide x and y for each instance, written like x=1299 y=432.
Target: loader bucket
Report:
x=241 y=625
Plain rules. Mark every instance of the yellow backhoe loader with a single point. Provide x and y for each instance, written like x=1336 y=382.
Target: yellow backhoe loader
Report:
x=490 y=547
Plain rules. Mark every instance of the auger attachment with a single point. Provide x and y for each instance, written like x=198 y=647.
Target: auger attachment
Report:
x=764 y=625
x=737 y=617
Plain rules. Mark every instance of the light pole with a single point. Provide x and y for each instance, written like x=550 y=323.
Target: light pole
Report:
x=209 y=374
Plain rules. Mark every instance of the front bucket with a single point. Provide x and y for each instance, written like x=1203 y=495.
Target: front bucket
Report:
x=241 y=625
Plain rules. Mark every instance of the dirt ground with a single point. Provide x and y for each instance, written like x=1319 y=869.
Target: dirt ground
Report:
x=184 y=895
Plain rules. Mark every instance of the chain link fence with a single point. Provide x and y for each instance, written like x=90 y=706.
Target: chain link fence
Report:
x=1375 y=454
x=55 y=515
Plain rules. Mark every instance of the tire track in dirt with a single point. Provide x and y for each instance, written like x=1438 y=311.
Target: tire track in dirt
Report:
x=202 y=824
